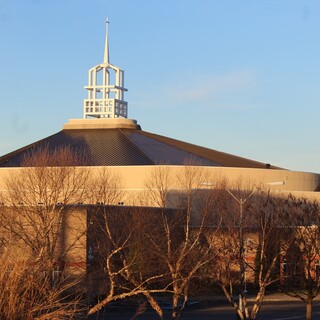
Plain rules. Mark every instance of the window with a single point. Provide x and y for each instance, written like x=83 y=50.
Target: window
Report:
x=56 y=274
x=289 y=269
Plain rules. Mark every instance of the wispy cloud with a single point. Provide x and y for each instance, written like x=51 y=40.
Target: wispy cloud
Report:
x=212 y=88
x=231 y=90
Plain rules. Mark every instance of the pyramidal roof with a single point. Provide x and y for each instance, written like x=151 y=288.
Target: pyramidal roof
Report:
x=107 y=138
x=125 y=145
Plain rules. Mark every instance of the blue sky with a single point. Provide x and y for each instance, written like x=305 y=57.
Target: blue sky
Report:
x=237 y=76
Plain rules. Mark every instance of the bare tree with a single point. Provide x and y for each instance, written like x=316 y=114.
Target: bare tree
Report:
x=105 y=188
x=119 y=254
x=122 y=257
x=254 y=221
x=158 y=187
x=182 y=249
x=41 y=196
x=27 y=292
x=301 y=260
x=149 y=251
x=34 y=223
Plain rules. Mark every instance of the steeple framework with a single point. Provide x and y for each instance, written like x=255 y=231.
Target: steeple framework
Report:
x=105 y=89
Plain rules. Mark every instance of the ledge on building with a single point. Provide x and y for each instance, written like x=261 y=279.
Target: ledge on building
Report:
x=120 y=123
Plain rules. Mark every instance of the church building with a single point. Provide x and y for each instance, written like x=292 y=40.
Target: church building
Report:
x=107 y=139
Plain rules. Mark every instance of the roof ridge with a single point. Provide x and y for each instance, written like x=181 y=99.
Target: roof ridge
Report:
x=135 y=146
x=164 y=139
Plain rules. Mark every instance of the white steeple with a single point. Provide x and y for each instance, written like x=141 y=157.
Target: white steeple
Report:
x=106 y=47
x=105 y=100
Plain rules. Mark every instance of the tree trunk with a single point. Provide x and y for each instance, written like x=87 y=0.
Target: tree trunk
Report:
x=154 y=305
x=257 y=303
x=240 y=315
x=309 y=308
x=175 y=303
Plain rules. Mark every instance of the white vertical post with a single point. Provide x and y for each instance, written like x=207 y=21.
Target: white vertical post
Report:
x=117 y=84
x=106 y=47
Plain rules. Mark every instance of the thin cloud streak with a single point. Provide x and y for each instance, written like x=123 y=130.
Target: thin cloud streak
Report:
x=226 y=91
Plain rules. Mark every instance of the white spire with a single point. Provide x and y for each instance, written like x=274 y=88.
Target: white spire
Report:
x=105 y=99
x=106 y=48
